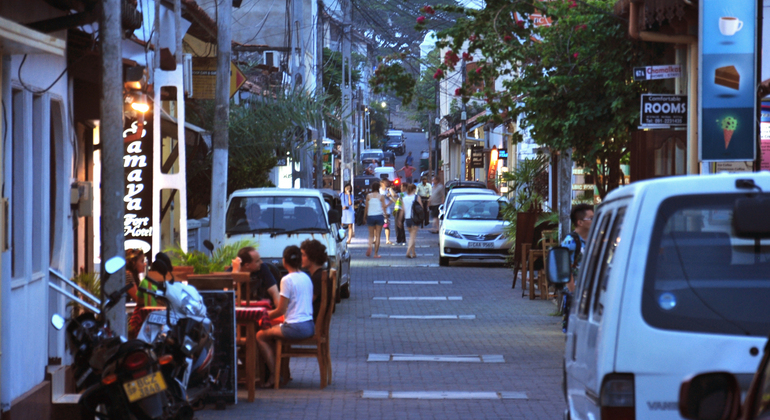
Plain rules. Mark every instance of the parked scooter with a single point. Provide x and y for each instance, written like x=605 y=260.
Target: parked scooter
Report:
x=182 y=332
x=123 y=378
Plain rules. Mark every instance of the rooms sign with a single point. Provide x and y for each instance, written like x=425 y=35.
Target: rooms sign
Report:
x=661 y=110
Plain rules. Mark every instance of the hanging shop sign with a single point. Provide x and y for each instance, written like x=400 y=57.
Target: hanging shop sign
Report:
x=661 y=110
x=204 y=74
x=477 y=157
x=728 y=79
x=764 y=137
x=671 y=71
x=137 y=196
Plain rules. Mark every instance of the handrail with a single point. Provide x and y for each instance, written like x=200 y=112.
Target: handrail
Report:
x=75 y=298
x=75 y=286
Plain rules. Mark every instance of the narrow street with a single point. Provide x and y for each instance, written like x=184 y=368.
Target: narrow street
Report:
x=511 y=347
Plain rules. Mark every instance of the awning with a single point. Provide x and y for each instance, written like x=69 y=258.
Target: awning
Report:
x=470 y=124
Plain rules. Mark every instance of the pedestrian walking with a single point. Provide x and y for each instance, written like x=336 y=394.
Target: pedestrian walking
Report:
x=409 y=160
x=348 y=211
x=390 y=202
x=408 y=170
x=398 y=214
x=436 y=199
x=409 y=200
x=375 y=211
x=423 y=190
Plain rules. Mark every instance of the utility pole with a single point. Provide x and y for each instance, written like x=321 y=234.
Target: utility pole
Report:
x=346 y=98
x=463 y=117
x=111 y=139
x=565 y=192
x=319 y=89
x=438 y=126
x=220 y=138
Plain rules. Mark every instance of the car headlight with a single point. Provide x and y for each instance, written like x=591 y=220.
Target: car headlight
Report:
x=453 y=233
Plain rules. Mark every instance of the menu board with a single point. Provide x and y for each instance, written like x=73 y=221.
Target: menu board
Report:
x=220 y=306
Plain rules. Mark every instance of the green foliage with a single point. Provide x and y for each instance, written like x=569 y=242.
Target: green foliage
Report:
x=332 y=73
x=91 y=283
x=525 y=191
x=220 y=259
x=572 y=81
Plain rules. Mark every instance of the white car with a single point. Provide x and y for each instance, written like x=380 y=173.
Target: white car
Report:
x=456 y=192
x=275 y=218
x=473 y=228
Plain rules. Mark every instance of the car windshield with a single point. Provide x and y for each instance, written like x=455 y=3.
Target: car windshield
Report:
x=274 y=214
x=370 y=155
x=702 y=278
x=476 y=210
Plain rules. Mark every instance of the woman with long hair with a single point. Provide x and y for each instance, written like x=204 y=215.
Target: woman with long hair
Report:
x=348 y=212
x=376 y=208
x=409 y=200
x=313 y=259
x=296 y=302
x=136 y=263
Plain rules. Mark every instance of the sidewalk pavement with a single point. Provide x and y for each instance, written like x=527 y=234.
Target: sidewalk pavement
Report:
x=495 y=321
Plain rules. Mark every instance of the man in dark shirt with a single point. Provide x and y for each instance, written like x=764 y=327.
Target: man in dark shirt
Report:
x=263 y=284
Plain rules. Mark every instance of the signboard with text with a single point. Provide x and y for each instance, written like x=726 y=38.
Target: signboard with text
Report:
x=477 y=157
x=727 y=82
x=663 y=110
x=764 y=137
x=137 y=196
x=657 y=72
x=204 y=74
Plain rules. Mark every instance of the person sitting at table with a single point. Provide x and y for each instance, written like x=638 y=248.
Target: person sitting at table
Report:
x=313 y=259
x=160 y=271
x=263 y=284
x=296 y=303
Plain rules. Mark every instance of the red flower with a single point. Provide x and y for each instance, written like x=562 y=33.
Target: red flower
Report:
x=478 y=70
x=438 y=74
x=467 y=57
x=520 y=24
x=472 y=38
x=458 y=91
x=427 y=9
x=573 y=5
x=580 y=27
x=507 y=38
x=421 y=20
x=450 y=58
x=575 y=55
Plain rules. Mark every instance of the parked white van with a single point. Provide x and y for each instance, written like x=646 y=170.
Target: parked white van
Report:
x=666 y=290
x=275 y=218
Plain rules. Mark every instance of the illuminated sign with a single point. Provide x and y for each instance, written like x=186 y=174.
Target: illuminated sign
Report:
x=137 y=196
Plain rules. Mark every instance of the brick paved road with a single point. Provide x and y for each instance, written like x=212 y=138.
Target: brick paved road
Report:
x=520 y=330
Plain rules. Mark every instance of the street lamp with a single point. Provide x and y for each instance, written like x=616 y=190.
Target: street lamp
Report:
x=385 y=105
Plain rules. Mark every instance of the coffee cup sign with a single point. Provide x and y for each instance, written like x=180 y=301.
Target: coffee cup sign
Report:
x=729 y=25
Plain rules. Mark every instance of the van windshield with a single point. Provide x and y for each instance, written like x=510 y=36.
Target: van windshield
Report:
x=275 y=214
x=702 y=278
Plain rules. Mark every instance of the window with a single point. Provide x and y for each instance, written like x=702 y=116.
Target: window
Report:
x=590 y=260
x=613 y=240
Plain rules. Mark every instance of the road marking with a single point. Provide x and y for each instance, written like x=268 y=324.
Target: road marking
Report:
x=410 y=282
x=418 y=298
x=472 y=358
x=384 y=316
x=445 y=395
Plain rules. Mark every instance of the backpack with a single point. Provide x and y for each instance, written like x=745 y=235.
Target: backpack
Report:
x=418 y=215
x=578 y=249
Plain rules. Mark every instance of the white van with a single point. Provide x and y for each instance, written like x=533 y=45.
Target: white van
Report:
x=275 y=218
x=665 y=290
x=386 y=172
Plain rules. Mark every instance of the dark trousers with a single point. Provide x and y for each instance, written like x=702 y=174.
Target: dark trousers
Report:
x=400 y=232
x=426 y=211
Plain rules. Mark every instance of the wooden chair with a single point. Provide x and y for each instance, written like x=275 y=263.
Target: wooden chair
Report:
x=285 y=349
x=550 y=239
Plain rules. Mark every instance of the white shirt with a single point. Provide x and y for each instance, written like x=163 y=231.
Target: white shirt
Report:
x=408 y=201
x=298 y=289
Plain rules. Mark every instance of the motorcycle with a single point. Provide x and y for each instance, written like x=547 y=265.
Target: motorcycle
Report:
x=184 y=333
x=122 y=378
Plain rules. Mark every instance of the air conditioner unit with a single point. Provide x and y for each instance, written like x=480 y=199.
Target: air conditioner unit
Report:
x=271 y=58
x=187 y=76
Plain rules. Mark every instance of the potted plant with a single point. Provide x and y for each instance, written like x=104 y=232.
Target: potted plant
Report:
x=89 y=282
x=220 y=258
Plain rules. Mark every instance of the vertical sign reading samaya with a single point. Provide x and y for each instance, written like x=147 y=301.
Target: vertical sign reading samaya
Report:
x=728 y=80
x=137 y=167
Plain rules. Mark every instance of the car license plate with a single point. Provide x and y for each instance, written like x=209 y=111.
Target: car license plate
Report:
x=481 y=245
x=145 y=386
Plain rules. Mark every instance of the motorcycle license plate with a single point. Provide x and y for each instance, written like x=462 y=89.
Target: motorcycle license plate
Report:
x=480 y=245
x=159 y=318
x=144 y=386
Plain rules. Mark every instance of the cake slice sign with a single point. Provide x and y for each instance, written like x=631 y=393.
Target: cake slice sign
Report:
x=728 y=77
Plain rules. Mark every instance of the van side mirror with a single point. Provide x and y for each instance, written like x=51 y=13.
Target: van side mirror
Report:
x=558 y=266
x=713 y=395
x=334 y=216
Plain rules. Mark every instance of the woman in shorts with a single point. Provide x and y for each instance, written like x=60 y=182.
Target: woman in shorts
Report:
x=375 y=211
x=296 y=302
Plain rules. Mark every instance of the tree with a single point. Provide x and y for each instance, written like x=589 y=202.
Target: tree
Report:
x=571 y=79
x=332 y=73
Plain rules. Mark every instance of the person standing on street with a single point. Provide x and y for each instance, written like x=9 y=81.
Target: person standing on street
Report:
x=375 y=210
x=582 y=217
x=409 y=160
x=423 y=190
x=390 y=203
x=409 y=200
x=436 y=199
x=348 y=212
x=408 y=170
